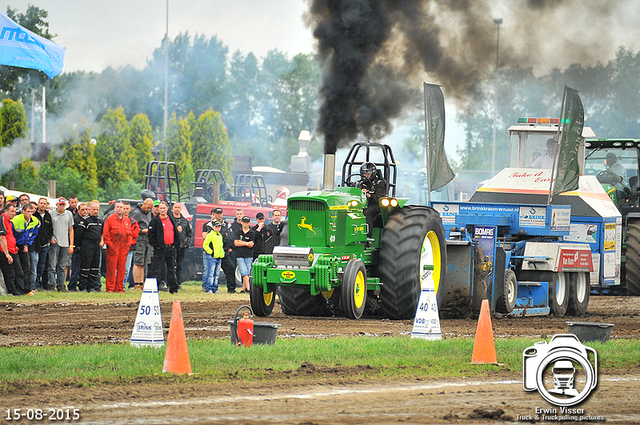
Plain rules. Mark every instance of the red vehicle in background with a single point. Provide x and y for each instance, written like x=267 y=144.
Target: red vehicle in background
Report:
x=211 y=190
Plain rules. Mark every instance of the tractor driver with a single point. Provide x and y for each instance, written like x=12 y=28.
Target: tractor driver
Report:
x=373 y=187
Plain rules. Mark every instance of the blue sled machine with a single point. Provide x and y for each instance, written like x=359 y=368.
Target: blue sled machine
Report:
x=514 y=256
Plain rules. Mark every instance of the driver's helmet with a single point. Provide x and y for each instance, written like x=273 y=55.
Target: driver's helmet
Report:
x=368 y=168
x=282 y=192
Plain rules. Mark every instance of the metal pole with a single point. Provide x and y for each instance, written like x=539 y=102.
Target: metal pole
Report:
x=166 y=78
x=497 y=21
x=44 y=114
x=33 y=116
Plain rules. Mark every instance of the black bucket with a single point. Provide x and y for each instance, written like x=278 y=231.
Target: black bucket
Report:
x=263 y=333
x=587 y=331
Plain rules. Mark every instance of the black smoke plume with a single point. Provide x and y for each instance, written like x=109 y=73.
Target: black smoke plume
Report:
x=374 y=54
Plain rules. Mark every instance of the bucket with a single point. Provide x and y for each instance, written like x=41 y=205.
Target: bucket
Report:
x=587 y=331
x=263 y=333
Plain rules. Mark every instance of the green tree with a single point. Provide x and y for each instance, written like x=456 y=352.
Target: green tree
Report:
x=14 y=121
x=24 y=175
x=77 y=152
x=181 y=147
x=211 y=148
x=15 y=149
x=69 y=181
x=115 y=157
x=242 y=107
x=141 y=141
x=290 y=103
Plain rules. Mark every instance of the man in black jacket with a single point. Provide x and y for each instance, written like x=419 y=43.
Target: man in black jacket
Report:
x=41 y=244
x=277 y=225
x=142 y=214
x=264 y=237
x=164 y=238
x=184 y=228
x=89 y=239
x=76 y=259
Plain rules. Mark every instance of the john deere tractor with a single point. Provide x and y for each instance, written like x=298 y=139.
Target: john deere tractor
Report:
x=332 y=266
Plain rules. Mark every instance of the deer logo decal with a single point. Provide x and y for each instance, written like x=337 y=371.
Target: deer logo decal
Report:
x=303 y=225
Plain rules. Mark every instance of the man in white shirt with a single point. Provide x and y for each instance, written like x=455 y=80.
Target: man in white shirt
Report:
x=546 y=161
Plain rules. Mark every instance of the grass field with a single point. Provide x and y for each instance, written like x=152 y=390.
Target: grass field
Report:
x=218 y=360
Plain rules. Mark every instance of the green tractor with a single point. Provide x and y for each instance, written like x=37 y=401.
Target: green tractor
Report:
x=331 y=266
x=627 y=152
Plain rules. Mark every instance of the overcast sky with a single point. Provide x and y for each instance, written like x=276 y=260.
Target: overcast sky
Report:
x=102 y=33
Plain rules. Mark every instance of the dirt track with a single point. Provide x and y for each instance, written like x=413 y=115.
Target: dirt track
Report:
x=335 y=396
x=73 y=323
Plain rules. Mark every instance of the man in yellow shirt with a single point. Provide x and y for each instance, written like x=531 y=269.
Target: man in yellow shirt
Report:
x=213 y=246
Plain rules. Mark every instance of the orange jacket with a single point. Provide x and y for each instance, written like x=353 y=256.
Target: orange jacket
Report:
x=117 y=231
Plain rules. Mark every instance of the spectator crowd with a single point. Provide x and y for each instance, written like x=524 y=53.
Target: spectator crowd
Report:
x=43 y=248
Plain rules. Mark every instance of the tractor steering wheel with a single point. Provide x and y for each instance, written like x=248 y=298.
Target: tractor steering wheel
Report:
x=348 y=181
x=607 y=178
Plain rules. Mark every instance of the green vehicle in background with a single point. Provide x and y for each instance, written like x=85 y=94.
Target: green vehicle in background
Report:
x=331 y=267
x=627 y=200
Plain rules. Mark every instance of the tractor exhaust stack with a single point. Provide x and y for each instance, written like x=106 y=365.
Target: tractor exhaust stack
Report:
x=329 y=179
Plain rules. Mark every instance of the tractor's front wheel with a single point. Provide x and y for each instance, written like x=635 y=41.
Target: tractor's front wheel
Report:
x=354 y=289
x=261 y=303
x=412 y=255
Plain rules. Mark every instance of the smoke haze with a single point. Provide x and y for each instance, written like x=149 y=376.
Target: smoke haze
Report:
x=374 y=54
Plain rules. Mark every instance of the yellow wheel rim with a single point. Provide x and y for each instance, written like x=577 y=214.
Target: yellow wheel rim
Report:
x=359 y=290
x=268 y=298
x=430 y=256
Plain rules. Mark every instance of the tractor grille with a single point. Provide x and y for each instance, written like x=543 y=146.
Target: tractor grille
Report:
x=303 y=205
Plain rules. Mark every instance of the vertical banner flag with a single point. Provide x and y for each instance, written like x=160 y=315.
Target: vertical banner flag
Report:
x=21 y=47
x=572 y=121
x=439 y=172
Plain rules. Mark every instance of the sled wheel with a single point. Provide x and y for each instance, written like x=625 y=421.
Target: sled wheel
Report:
x=580 y=290
x=507 y=294
x=559 y=295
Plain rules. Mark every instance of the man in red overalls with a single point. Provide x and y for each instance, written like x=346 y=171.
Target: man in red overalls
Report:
x=117 y=235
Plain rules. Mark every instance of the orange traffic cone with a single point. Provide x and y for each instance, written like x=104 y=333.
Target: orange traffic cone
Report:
x=484 y=349
x=176 y=359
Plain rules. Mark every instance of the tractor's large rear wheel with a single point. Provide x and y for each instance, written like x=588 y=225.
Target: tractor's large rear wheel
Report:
x=412 y=254
x=632 y=266
x=299 y=302
x=579 y=292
